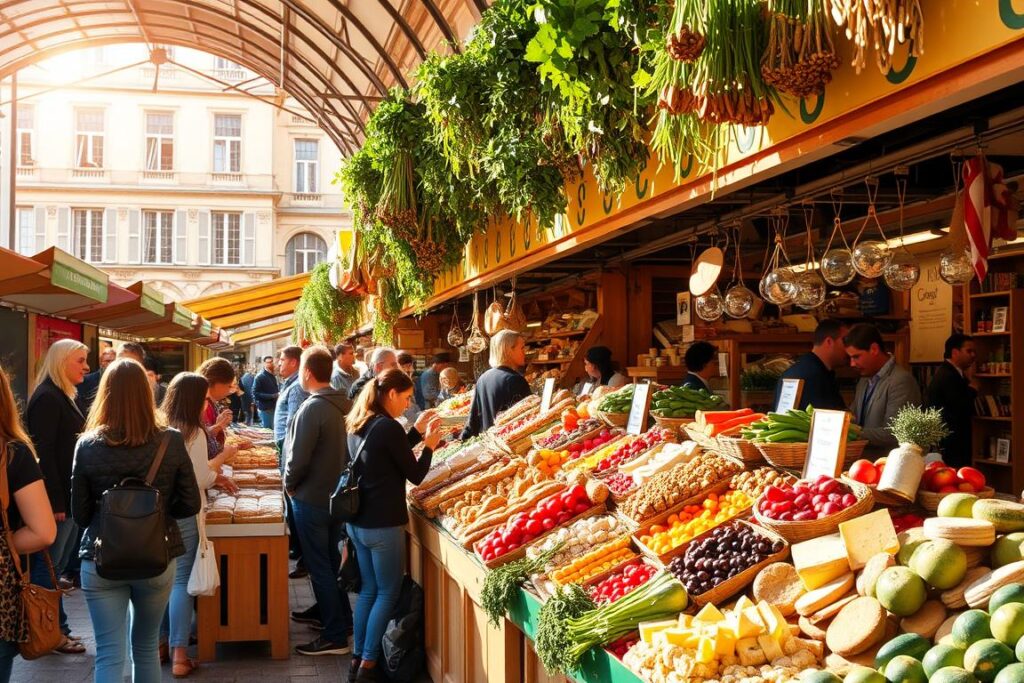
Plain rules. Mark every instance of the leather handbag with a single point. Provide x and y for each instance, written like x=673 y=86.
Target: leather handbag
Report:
x=345 y=499
x=131 y=537
x=205 y=576
x=39 y=609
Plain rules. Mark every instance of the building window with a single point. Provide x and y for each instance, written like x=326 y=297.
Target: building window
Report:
x=304 y=251
x=225 y=64
x=26 y=231
x=87 y=234
x=159 y=141
x=227 y=238
x=89 y=138
x=26 y=128
x=157 y=237
x=227 y=143
x=306 y=165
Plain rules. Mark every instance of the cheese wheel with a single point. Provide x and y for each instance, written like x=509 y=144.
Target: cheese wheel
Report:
x=960 y=530
x=814 y=600
x=858 y=626
x=926 y=621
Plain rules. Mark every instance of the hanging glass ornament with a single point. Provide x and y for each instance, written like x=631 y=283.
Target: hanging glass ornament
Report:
x=738 y=301
x=871 y=256
x=904 y=270
x=955 y=267
x=810 y=287
x=476 y=342
x=709 y=306
x=777 y=284
x=837 y=261
x=455 y=336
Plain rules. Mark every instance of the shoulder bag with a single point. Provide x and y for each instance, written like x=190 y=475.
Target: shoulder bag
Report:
x=345 y=499
x=29 y=614
x=205 y=576
x=131 y=539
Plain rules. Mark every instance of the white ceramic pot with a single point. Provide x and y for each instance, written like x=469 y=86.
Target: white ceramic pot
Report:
x=903 y=469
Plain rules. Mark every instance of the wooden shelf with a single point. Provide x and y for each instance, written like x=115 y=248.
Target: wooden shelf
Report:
x=991 y=334
x=562 y=361
x=986 y=295
x=992 y=374
x=992 y=418
x=561 y=335
x=996 y=463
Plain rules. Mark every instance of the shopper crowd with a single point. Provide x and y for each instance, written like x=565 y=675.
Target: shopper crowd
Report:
x=86 y=437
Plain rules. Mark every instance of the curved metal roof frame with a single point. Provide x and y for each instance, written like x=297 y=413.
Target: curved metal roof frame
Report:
x=336 y=57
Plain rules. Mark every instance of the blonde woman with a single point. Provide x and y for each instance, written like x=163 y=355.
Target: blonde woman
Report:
x=501 y=386
x=55 y=420
x=29 y=515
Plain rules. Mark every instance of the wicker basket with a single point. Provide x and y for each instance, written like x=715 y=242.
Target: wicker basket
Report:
x=792 y=455
x=883 y=498
x=738 y=448
x=674 y=424
x=731 y=586
x=794 y=532
x=708 y=443
x=614 y=419
x=930 y=500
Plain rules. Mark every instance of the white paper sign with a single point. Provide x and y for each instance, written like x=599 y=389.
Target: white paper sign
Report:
x=789 y=396
x=827 y=444
x=637 y=422
x=587 y=388
x=723 y=364
x=688 y=333
x=549 y=391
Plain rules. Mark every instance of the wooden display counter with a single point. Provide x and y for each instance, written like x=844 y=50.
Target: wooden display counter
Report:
x=252 y=601
x=461 y=646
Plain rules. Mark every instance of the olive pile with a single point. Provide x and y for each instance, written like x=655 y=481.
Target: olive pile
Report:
x=721 y=555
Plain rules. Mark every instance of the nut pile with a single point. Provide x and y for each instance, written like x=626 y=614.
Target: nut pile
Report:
x=753 y=483
x=721 y=555
x=669 y=488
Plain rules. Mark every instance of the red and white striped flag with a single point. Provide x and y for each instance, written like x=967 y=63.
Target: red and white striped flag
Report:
x=977 y=200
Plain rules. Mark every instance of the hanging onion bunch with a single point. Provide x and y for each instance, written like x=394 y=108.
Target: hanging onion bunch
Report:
x=801 y=56
x=686 y=41
x=882 y=25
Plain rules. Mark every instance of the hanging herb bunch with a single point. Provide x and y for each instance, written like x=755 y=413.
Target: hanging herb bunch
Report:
x=801 y=55
x=587 y=66
x=324 y=313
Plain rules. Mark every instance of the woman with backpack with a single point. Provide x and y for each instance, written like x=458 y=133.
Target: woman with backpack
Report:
x=124 y=440
x=383 y=462
x=29 y=515
x=183 y=408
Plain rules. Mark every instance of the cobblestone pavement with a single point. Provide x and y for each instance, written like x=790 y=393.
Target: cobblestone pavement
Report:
x=236 y=662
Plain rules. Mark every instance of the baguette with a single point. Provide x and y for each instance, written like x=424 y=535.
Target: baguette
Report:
x=494 y=473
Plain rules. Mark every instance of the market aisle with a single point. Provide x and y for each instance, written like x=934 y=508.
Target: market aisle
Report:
x=244 y=663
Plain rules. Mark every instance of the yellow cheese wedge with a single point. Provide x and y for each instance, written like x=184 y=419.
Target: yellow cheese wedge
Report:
x=773 y=621
x=771 y=649
x=725 y=643
x=867 y=536
x=743 y=603
x=706 y=651
x=649 y=628
x=680 y=637
x=709 y=614
x=820 y=560
x=754 y=624
x=685 y=620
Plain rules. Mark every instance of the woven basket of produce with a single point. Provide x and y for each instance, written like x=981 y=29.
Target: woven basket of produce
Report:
x=707 y=442
x=739 y=448
x=675 y=424
x=520 y=552
x=796 y=531
x=883 y=498
x=930 y=500
x=614 y=419
x=792 y=455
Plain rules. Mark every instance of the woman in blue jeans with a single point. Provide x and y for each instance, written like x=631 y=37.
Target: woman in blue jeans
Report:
x=183 y=407
x=121 y=440
x=28 y=513
x=384 y=461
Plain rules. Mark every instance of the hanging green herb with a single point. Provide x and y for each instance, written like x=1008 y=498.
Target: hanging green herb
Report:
x=801 y=56
x=323 y=314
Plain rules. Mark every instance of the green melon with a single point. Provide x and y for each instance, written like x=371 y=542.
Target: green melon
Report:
x=1007 y=623
x=1011 y=592
x=1007 y=549
x=952 y=674
x=863 y=674
x=986 y=658
x=901 y=590
x=957 y=505
x=970 y=627
x=941 y=563
x=1019 y=650
x=818 y=676
x=1005 y=515
x=909 y=542
x=941 y=656
x=909 y=644
x=1014 y=673
x=904 y=669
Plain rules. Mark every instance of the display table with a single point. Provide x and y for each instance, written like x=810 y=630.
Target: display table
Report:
x=461 y=646
x=252 y=602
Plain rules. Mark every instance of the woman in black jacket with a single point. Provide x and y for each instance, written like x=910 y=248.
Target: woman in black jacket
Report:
x=121 y=439
x=54 y=422
x=382 y=452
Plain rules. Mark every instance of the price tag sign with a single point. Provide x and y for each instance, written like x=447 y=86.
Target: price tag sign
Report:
x=827 y=446
x=545 y=397
x=636 y=424
x=587 y=388
x=723 y=364
x=789 y=396
x=688 y=333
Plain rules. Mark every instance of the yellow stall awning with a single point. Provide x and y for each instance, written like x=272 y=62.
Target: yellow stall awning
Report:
x=262 y=333
x=252 y=304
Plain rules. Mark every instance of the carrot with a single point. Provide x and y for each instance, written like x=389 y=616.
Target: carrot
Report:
x=717 y=429
x=716 y=416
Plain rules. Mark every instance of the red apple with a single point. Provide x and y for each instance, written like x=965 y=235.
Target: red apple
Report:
x=966 y=487
x=971 y=476
x=864 y=471
x=934 y=464
x=944 y=477
x=948 y=489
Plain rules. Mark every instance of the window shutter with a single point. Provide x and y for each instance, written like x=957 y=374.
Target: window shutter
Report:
x=40 y=228
x=180 y=237
x=134 y=237
x=249 y=239
x=204 y=238
x=110 y=236
x=64 y=229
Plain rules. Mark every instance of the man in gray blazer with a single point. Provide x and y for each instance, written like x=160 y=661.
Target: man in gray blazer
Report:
x=883 y=389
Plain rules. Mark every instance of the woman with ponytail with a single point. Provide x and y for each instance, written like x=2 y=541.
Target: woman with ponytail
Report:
x=384 y=462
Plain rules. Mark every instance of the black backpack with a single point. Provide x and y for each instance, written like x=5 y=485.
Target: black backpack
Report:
x=131 y=536
x=404 y=654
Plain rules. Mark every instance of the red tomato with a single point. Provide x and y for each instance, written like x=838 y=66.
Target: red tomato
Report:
x=581 y=507
x=972 y=476
x=864 y=471
x=534 y=527
x=966 y=487
x=942 y=477
x=948 y=489
x=934 y=465
x=548 y=523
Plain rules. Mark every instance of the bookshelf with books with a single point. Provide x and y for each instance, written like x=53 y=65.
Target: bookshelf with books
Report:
x=994 y=317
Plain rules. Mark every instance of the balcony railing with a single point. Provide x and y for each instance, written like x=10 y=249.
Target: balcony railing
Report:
x=226 y=177
x=161 y=176
x=89 y=173
x=229 y=74
x=26 y=171
x=307 y=197
x=302 y=121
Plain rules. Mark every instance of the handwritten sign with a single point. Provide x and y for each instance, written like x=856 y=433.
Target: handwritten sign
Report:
x=587 y=388
x=636 y=424
x=545 y=397
x=931 y=314
x=789 y=396
x=827 y=445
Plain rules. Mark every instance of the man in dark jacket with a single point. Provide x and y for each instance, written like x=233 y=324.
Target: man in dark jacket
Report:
x=264 y=392
x=953 y=391
x=248 y=379
x=317 y=451
x=817 y=369
x=382 y=359
x=87 y=389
